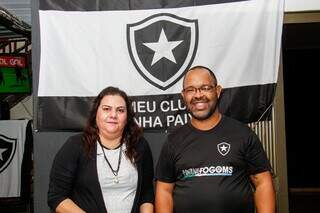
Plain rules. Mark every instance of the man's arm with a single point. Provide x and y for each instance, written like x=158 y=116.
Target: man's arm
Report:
x=164 y=199
x=264 y=195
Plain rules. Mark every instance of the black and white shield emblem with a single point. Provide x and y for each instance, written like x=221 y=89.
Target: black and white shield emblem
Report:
x=162 y=47
x=224 y=148
x=7 y=151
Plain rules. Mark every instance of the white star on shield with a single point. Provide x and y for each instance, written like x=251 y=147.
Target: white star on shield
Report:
x=163 y=48
x=224 y=148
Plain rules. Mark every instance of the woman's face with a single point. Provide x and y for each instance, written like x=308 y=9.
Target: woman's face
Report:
x=111 y=116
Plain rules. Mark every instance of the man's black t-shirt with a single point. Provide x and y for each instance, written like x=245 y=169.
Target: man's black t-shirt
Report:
x=211 y=168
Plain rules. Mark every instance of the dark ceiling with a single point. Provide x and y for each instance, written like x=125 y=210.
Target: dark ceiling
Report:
x=12 y=27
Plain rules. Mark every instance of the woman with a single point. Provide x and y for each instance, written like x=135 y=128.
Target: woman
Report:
x=107 y=168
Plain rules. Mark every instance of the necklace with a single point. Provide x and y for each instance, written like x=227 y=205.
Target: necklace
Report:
x=114 y=172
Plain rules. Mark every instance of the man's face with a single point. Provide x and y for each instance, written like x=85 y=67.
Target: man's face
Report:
x=200 y=93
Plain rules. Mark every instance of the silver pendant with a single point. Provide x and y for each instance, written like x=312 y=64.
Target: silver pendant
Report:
x=115 y=179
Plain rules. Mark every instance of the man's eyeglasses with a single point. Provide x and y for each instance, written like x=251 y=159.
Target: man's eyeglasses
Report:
x=203 y=89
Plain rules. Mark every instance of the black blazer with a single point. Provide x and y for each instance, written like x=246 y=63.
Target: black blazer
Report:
x=74 y=176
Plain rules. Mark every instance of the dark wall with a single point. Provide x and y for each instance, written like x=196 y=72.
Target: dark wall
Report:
x=301 y=64
x=46 y=145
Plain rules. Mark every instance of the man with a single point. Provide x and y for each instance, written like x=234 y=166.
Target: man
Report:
x=18 y=72
x=2 y=81
x=213 y=163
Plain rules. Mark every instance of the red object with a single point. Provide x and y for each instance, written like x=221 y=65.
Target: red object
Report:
x=12 y=61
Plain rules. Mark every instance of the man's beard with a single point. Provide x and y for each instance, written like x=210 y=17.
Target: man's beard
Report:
x=210 y=112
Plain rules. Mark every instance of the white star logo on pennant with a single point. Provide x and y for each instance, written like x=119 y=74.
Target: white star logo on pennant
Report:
x=163 y=48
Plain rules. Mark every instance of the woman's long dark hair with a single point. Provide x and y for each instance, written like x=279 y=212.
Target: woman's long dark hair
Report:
x=131 y=133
